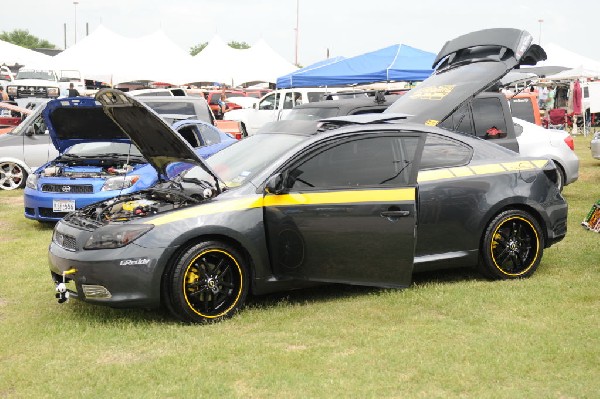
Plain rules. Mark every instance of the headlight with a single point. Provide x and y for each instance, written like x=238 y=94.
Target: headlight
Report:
x=53 y=91
x=31 y=181
x=119 y=182
x=12 y=90
x=116 y=236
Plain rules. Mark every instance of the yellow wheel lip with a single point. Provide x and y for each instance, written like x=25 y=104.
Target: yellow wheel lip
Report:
x=537 y=249
x=185 y=274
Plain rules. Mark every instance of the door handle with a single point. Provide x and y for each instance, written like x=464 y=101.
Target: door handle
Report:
x=394 y=214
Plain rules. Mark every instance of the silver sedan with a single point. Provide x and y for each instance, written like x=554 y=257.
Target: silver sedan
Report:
x=23 y=150
x=553 y=144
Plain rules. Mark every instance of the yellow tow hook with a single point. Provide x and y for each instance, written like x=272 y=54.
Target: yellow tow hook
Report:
x=62 y=294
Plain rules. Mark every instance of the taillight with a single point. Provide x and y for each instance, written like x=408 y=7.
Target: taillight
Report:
x=570 y=142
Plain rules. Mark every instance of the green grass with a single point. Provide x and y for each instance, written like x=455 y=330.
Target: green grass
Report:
x=451 y=335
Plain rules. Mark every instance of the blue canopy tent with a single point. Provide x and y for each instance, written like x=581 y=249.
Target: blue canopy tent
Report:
x=394 y=63
x=286 y=81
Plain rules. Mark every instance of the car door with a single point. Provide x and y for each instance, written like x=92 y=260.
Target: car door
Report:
x=346 y=212
x=267 y=111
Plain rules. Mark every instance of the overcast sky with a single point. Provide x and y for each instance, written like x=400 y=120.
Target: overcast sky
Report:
x=345 y=27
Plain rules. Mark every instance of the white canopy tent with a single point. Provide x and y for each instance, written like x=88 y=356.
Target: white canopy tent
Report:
x=218 y=62
x=11 y=54
x=559 y=56
x=575 y=73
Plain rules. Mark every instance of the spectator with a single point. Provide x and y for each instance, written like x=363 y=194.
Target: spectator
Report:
x=550 y=99
x=3 y=95
x=73 y=91
x=542 y=97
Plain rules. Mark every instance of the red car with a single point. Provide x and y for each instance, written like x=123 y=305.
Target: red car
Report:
x=213 y=101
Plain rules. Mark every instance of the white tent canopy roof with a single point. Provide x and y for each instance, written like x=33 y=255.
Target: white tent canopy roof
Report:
x=559 y=56
x=579 y=72
x=107 y=56
x=11 y=54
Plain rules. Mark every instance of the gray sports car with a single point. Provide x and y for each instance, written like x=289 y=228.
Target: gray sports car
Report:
x=367 y=200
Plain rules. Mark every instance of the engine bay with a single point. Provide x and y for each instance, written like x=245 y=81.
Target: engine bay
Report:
x=163 y=197
x=69 y=170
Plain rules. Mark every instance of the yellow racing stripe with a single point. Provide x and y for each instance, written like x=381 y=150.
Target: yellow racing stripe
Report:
x=256 y=201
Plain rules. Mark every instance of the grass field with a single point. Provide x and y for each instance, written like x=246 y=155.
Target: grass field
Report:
x=451 y=335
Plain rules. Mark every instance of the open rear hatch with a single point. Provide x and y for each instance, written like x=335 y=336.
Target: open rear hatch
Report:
x=465 y=67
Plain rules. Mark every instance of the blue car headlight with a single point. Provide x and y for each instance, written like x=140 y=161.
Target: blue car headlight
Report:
x=116 y=236
x=120 y=182
x=31 y=181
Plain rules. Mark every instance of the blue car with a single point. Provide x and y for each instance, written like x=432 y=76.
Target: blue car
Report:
x=97 y=160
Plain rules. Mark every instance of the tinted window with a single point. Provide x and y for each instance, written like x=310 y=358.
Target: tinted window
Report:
x=372 y=161
x=441 y=152
x=522 y=109
x=312 y=114
x=314 y=97
x=181 y=108
x=488 y=114
x=209 y=135
x=460 y=121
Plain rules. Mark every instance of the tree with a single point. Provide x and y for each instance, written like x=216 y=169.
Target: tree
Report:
x=198 y=48
x=22 y=37
x=238 y=45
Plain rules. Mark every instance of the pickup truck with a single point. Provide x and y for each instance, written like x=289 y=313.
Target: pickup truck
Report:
x=273 y=107
x=40 y=83
x=488 y=116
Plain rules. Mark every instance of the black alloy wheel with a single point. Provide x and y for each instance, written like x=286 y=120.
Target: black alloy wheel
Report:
x=512 y=247
x=208 y=282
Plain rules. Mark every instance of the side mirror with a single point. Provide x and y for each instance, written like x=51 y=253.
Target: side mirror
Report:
x=30 y=131
x=275 y=184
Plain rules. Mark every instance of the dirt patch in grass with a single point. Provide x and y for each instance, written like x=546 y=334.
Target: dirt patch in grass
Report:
x=11 y=200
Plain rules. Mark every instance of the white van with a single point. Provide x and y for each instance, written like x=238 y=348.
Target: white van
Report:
x=274 y=105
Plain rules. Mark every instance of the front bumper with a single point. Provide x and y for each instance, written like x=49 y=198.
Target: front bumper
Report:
x=123 y=277
x=38 y=205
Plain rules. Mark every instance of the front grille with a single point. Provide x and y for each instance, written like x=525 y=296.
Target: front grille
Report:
x=68 y=188
x=49 y=213
x=32 y=91
x=64 y=240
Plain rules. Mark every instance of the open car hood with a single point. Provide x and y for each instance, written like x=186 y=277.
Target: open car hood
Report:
x=116 y=117
x=465 y=67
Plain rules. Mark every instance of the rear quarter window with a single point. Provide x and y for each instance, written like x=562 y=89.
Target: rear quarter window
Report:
x=442 y=152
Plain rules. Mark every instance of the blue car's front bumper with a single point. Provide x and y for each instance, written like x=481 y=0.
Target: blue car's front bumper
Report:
x=39 y=205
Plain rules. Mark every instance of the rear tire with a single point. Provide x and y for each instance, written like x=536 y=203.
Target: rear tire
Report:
x=208 y=282
x=512 y=246
x=560 y=183
x=12 y=176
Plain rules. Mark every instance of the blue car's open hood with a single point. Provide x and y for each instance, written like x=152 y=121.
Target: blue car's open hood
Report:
x=76 y=120
x=116 y=117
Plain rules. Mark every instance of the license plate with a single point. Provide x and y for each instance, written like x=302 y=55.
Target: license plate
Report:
x=63 y=205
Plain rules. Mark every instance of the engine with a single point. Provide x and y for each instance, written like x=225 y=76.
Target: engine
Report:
x=66 y=170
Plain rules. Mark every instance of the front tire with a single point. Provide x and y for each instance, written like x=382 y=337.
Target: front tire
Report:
x=512 y=246
x=208 y=282
x=12 y=176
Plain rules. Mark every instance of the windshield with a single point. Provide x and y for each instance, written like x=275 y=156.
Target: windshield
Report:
x=312 y=114
x=234 y=165
x=35 y=74
x=104 y=149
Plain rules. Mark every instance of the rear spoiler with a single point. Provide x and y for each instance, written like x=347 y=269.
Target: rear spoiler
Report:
x=496 y=41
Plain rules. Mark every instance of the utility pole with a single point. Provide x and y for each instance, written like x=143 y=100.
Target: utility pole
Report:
x=75 y=32
x=297 y=28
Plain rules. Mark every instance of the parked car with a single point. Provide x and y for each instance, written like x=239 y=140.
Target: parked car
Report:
x=171 y=91
x=525 y=106
x=39 y=83
x=340 y=205
x=557 y=145
x=23 y=149
x=97 y=161
x=274 y=106
x=214 y=97
x=595 y=145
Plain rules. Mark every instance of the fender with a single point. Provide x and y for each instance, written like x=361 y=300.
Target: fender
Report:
x=18 y=162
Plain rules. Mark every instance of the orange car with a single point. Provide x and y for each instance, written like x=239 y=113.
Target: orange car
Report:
x=525 y=106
